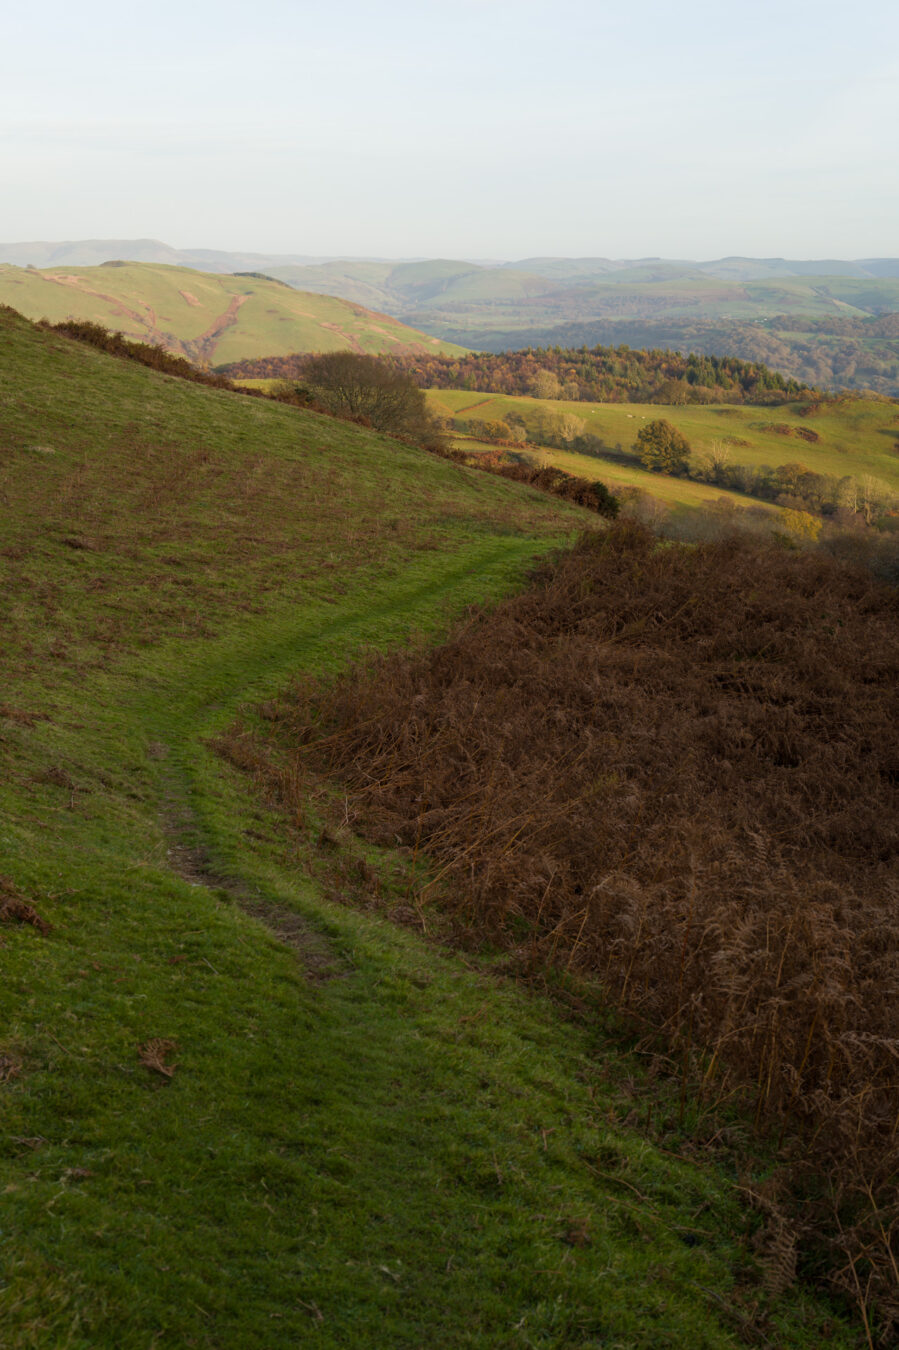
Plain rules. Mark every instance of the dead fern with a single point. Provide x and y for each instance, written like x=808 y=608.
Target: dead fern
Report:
x=672 y=770
x=9 y=1069
x=14 y=908
x=153 y=1054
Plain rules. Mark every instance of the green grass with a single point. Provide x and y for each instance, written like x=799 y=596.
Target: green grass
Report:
x=409 y=1152
x=186 y=311
x=678 y=494
x=858 y=437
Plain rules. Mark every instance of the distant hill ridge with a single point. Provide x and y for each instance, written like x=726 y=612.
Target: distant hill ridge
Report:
x=826 y=322
x=92 y=252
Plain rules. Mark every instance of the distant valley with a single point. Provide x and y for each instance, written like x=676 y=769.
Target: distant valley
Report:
x=831 y=323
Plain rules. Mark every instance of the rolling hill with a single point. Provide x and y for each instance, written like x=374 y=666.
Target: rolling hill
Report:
x=513 y=297
x=791 y=314
x=238 y=1109
x=206 y=317
x=93 y=252
x=830 y=323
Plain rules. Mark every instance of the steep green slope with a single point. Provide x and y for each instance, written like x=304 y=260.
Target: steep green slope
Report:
x=205 y=317
x=236 y=1111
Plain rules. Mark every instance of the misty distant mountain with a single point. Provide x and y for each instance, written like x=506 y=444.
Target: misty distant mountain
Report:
x=93 y=252
x=561 y=271
x=727 y=269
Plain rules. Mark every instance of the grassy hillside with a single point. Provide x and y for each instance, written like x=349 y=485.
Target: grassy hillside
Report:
x=857 y=437
x=236 y=1110
x=397 y=287
x=208 y=318
x=554 y=291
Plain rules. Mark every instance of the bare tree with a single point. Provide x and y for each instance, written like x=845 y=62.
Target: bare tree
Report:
x=353 y=385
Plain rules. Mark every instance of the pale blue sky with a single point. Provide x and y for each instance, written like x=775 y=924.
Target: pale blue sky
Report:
x=474 y=128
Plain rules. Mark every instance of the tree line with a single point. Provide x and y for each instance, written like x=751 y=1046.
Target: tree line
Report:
x=595 y=375
x=829 y=353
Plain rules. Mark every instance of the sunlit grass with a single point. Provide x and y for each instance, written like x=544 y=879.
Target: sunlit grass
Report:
x=364 y=1141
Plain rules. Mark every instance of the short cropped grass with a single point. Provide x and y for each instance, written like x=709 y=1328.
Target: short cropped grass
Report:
x=213 y=1137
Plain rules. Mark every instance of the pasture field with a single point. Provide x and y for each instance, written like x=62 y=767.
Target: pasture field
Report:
x=857 y=437
x=207 y=318
x=235 y=1109
x=678 y=494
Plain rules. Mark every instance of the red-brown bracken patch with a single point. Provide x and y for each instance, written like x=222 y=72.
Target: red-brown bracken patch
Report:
x=676 y=771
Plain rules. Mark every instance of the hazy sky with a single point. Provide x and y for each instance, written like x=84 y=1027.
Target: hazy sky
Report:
x=475 y=128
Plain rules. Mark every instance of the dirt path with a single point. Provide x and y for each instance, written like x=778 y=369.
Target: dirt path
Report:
x=205 y=700
x=203 y=347
x=197 y=349
x=147 y=321
x=470 y=407
x=355 y=344
x=189 y=859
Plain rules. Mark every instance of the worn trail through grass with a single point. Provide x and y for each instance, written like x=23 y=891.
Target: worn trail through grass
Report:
x=205 y=1142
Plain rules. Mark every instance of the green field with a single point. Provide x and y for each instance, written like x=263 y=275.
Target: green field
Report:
x=856 y=437
x=207 y=318
x=677 y=494
x=238 y=1111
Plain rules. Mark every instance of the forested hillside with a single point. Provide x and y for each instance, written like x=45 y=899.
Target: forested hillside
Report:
x=831 y=353
x=600 y=375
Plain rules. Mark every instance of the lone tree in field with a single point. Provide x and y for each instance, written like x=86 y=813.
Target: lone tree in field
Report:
x=353 y=385
x=662 y=448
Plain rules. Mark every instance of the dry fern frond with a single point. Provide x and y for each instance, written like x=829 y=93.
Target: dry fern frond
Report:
x=15 y=908
x=154 y=1054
